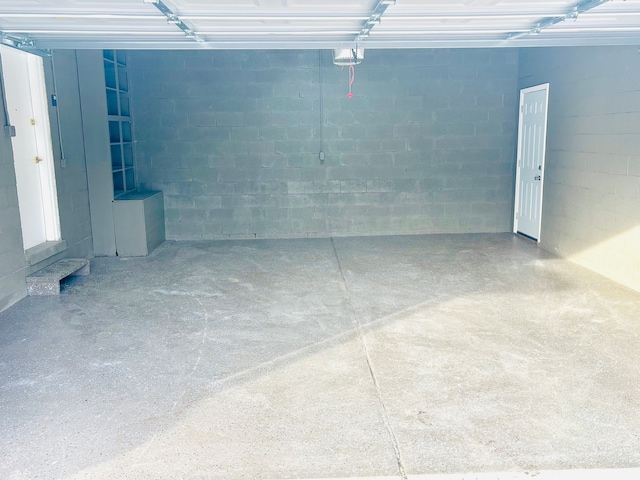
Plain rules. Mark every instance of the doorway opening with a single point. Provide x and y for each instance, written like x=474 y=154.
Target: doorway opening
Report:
x=532 y=139
x=26 y=103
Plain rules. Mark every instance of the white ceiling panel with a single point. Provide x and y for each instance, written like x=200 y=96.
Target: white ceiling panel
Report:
x=267 y=24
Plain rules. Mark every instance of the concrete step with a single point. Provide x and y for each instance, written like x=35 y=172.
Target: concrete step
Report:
x=47 y=280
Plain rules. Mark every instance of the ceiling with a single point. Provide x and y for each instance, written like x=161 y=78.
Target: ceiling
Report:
x=317 y=24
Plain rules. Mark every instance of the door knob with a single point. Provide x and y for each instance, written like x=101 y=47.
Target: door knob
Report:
x=537 y=177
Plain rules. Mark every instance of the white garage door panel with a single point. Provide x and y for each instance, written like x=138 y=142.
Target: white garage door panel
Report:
x=74 y=6
x=328 y=24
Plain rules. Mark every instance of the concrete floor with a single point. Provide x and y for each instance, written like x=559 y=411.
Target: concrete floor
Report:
x=388 y=357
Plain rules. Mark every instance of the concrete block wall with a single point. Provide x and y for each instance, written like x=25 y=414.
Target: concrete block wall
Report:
x=591 y=208
x=97 y=151
x=71 y=185
x=233 y=138
x=71 y=180
x=12 y=260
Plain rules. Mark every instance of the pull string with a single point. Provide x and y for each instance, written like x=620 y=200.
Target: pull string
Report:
x=352 y=74
x=63 y=159
x=320 y=80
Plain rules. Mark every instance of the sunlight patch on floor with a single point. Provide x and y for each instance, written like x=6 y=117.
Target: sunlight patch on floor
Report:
x=617 y=258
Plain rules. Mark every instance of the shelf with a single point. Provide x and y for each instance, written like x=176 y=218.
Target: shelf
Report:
x=139 y=222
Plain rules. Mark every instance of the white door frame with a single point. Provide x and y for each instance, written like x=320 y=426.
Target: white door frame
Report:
x=523 y=92
x=45 y=149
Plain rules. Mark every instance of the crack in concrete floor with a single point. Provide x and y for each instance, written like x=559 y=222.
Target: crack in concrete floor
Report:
x=363 y=341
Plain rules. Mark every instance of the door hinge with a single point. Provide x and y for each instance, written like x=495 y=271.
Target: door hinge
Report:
x=37 y=159
x=32 y=121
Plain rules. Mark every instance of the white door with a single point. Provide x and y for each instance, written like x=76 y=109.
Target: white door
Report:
x=532 y=138
x=25 y=90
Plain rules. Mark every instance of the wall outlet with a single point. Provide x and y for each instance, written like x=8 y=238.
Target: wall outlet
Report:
x=321 y=155
x=9 y=131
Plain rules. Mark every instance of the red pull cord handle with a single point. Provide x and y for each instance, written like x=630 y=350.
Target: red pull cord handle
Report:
x=352 y=77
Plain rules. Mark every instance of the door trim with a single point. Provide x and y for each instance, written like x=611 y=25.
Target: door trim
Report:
x=45 y=148
x=523 y=92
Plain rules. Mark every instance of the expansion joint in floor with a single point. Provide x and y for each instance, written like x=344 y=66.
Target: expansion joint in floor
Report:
x=365 y=349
